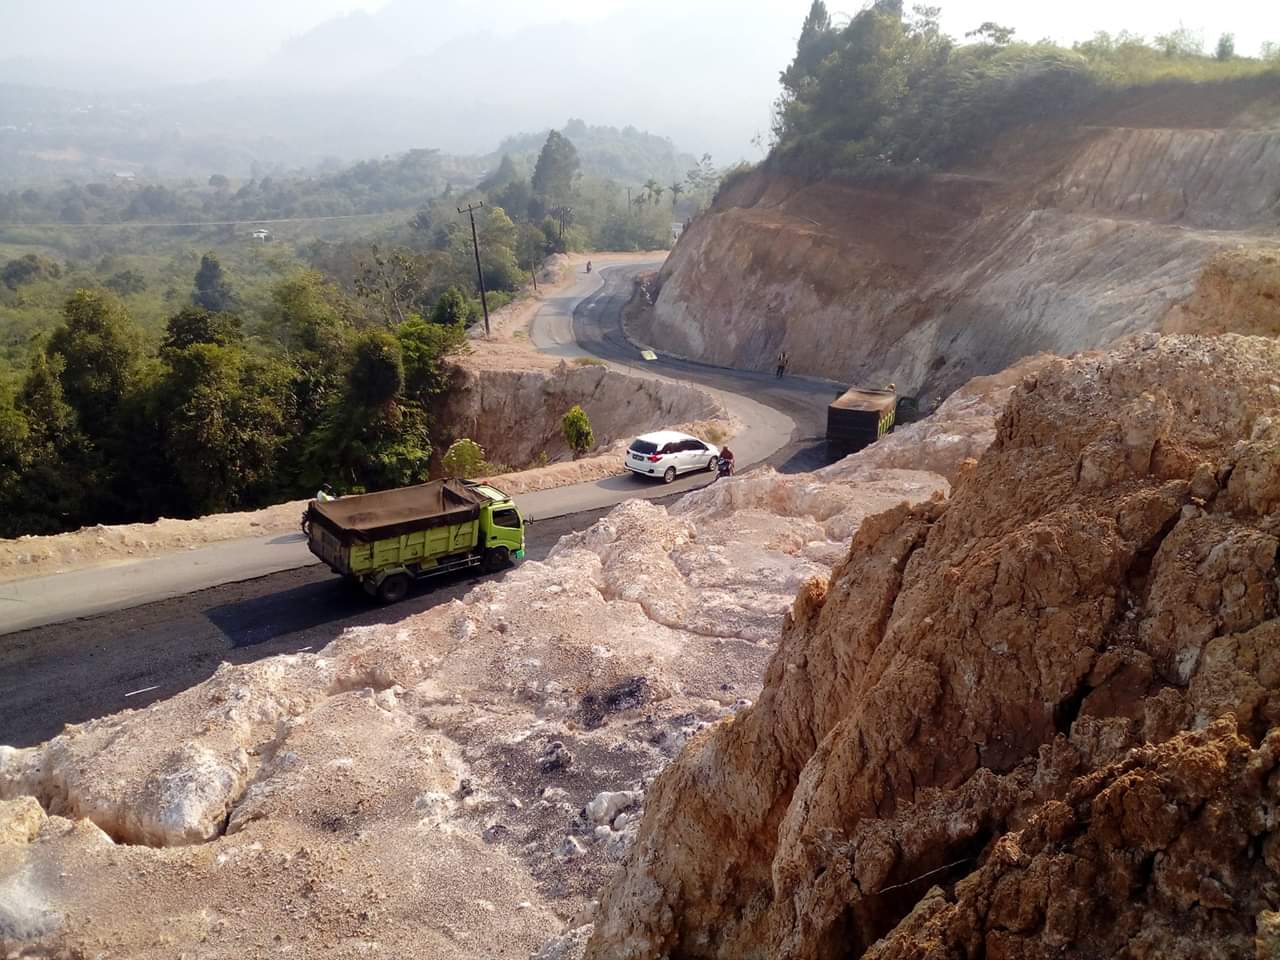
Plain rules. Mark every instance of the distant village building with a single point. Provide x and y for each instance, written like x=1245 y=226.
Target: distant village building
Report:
x=262 y=235
x=126 y=175
x=677 y=229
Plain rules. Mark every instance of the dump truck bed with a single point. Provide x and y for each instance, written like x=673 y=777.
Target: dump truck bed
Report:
x=858 y=418
x=368 y=517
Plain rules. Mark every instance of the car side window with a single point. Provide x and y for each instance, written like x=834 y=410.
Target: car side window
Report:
x=507 y=518
x=697 y=446
x=669 y=448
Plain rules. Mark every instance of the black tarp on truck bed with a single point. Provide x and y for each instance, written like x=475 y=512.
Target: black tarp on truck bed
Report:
x=393 y=513
x=859 y=417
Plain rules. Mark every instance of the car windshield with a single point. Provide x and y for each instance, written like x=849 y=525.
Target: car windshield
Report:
x=644 y=446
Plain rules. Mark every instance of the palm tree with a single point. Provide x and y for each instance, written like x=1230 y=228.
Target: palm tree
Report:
x=676 y=189
x=650 y=186
x=658 y=191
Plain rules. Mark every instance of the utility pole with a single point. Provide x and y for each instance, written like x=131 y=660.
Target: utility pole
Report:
x=628 y=203
x=470 y=210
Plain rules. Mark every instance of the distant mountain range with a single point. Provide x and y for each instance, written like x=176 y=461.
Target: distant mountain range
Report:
x=452 y=75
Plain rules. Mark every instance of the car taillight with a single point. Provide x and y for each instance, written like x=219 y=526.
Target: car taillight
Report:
x=653 y=458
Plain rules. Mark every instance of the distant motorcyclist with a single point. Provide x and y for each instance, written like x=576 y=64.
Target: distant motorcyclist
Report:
x=325 y=493
x=724 y=465
x=588 y=266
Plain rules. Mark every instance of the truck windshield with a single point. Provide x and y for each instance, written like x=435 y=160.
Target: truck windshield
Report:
x=507 y=518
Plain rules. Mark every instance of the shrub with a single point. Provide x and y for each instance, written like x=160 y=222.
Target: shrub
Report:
x=577 y=431
x=464 y=459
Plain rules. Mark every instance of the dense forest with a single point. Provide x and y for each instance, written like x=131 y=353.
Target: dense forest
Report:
x=149 y=377
x=889 y=92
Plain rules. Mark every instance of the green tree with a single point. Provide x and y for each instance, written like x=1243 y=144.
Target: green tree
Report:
x=578 y=434
x=506 y=172
x=1226 y=49
x=451 y=309
x=226 y=421
x=192 y=325
x=377 y=371
x=817 y=40
x=126 y=282
x=531 y=247
x=99 y=350
x=48 y=465
x=424 y=347
x=676 y=189
x=27 y=269
x=1180 y=43
x=219 y=182
x=557 y=169
x=464 y=459
x=372 y=437
x=993 y=33
x=212 y=288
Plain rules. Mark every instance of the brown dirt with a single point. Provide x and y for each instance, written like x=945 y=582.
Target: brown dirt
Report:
x=1041 y=719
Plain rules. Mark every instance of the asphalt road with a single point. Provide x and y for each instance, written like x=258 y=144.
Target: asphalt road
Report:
x=598 y=330
x=73 y=671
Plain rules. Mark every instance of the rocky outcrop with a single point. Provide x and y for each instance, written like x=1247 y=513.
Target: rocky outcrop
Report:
x=1063 y=238
x=1040 y=719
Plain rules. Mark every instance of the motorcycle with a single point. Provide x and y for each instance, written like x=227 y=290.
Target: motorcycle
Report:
x=724 y=468
x=588 y=266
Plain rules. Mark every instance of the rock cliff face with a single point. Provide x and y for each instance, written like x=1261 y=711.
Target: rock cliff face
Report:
x=1039 y=719
x=1062 y=239
x=515 y=414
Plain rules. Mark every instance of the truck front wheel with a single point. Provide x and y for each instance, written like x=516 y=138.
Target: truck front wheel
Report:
x=394 y=588
x=496 y=559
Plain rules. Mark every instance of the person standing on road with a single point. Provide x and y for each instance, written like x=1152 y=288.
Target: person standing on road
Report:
x=782 y=364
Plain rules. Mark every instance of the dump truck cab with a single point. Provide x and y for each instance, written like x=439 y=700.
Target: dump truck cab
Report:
x=501 y=525
x=384 y=541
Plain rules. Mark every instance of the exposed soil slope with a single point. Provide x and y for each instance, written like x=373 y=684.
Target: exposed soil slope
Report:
x=1040 y=719
x=1063 y=238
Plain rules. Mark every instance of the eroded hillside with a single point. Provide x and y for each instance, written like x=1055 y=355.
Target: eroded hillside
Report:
x=1038 y=719
x=1152 y=210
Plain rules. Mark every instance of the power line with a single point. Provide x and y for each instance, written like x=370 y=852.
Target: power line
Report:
x=201 y=223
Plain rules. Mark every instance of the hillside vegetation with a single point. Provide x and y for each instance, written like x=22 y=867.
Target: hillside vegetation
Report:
x=890 y=92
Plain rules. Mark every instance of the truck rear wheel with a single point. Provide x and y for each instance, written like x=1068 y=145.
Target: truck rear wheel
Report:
x=394 y=588
x=497 y=558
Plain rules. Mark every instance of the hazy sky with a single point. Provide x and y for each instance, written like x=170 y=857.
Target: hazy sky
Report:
x=181 y=33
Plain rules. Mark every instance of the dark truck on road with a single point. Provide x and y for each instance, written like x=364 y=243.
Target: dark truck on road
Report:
x=858 y=418
x=385 y=541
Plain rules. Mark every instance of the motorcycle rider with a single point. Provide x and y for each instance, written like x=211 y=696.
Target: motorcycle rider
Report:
x=724 y=468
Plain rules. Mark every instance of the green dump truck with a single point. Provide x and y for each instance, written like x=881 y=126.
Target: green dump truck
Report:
x=387 y=540
x=858 y=418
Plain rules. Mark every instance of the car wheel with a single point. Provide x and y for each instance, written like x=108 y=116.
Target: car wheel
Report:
x=711 y=464
x=496 y=559
x=395 y=588
x=670 y=475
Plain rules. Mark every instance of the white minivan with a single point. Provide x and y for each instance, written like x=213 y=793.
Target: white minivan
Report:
x=667 y=454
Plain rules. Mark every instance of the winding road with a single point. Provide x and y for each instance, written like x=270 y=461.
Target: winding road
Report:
x=90 y=642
